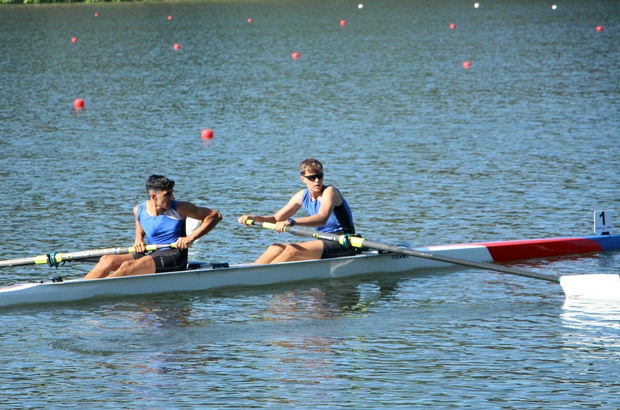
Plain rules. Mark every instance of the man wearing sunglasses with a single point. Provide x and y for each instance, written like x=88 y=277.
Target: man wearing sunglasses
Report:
x=328 y=211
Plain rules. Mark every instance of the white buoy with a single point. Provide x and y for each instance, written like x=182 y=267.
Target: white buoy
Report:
x=360 y=6
x=476 y=5
x=554 y=7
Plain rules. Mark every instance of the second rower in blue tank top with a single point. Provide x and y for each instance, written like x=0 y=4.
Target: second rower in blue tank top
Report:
x=327 y=209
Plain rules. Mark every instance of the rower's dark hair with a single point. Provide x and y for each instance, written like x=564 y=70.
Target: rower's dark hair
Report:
x=156 y=183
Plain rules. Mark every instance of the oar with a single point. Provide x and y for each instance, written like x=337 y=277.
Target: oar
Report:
x=54 y=259
x=598 y=286
x=357 y=242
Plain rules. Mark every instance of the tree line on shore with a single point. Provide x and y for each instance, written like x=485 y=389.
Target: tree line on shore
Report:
x=60 y=1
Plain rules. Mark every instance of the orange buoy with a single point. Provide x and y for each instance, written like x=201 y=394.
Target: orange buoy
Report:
x=177 y=46
x=74 y=40
x=599 y=28
x=343 y=23
x=249 y=20
x=78 y=103
x=207 y=134
x=466 y=64
x=452 y=26
x=169 y=17
x=295 y=55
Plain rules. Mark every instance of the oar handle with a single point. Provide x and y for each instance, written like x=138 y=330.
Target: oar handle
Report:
x=55 y=258
x=345 y=240
x=357 y=242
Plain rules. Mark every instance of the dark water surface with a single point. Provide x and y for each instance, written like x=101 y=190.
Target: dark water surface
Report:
x=524 y=144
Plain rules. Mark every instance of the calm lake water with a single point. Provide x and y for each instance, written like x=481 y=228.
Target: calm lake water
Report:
x=524 y=144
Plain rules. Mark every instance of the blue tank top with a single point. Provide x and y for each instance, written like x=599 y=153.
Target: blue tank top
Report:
x=162 y=229
x=341 y=219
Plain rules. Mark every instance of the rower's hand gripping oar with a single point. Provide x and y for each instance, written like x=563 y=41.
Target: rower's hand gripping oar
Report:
x=55 y=259
x=598 y=286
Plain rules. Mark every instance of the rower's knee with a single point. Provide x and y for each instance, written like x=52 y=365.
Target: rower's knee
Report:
x=107 y=261
x=289 y=250
x=272 y=252
x=125 y=265
x=277 y=246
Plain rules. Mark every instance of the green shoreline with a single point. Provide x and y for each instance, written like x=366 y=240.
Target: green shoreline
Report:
x=59 y=1
x=103 y=1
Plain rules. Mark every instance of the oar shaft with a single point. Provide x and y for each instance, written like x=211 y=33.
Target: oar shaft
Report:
x=458 y=261
x=65 y=257
x=361 y=243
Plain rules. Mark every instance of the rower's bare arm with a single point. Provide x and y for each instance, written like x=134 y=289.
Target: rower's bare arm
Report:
x=286 y=212
x=282 y=216
x=244 y=218
x=290 y=208
x=209 y=217
x=138 y=244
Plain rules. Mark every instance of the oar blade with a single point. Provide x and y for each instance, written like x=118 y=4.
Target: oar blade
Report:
x=598 y=286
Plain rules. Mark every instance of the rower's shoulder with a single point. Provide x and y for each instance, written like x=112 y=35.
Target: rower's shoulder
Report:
x=184 y=206
x=190 y=210
x=331 y=190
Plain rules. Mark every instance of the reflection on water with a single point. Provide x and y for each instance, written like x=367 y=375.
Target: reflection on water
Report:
x=591 y=346
x=326 y=302
x=591 y=315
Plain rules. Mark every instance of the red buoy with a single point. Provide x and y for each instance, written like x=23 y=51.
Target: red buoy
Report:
x=96 y=14
x=78 y=103
x=177 y=46
x=169 y=17
x=207 y=134
x=295 y=55
x=343 y=23
x=452 y=26
x=466 y=64
x=74 y=39
x=249 y=20
x=599 y=28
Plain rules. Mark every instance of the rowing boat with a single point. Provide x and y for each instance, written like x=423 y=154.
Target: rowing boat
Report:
x=203 y=276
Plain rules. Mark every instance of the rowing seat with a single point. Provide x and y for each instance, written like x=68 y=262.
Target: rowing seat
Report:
x=193 y=265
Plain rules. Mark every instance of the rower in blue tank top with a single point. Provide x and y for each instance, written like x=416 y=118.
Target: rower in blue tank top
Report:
x=340 y=220
x=162 y=220
x=328 y=212
x=165 y=228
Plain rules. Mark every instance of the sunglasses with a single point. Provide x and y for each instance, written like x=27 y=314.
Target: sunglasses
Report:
x=312 y=178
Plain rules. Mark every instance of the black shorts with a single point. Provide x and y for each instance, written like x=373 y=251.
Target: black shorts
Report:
x=167 y=260
x=332 y=249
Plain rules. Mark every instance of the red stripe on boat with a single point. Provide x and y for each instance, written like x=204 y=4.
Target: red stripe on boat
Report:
x=540 y=248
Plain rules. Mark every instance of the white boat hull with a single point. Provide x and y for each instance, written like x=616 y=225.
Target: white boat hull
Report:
x=256 y=275
x=234 y=275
